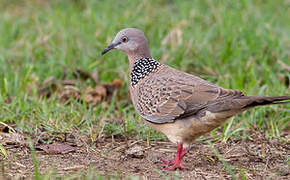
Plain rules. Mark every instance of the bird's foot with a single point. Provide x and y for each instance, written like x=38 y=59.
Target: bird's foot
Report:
x=176 y=163
x=174 y=166
x=166 y=162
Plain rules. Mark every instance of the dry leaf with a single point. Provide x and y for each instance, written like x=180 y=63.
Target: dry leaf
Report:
x=69 y=92
x=56 y=148
x=94 y=96
x=12 y=139
x=117 y=83
x=66 y=89
x=100 y=90
x=89 y=98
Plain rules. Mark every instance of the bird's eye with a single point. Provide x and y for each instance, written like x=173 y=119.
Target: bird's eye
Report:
x=124 y=39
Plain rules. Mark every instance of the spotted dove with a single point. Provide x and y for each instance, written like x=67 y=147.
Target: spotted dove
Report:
x=178 y=104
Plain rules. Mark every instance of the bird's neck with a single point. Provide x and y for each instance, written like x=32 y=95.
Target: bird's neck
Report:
x=132 y=60
x=141 y=68
x=142 y=51
x=134 y=57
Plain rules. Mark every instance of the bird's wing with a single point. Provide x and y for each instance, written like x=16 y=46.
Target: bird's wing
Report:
x=175 y=95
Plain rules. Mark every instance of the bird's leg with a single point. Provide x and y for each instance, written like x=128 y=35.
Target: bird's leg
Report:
x=167 y=162
x=176 y=163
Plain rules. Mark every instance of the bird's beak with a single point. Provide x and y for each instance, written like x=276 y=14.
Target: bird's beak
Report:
x=110 y=47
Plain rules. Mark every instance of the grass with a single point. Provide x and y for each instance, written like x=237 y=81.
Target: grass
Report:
x=226 y=165
x=236 y=44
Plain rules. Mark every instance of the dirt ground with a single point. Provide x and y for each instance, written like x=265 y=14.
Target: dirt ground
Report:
x=253 y=158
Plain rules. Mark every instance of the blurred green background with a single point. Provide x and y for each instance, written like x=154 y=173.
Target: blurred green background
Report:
x=236 y=44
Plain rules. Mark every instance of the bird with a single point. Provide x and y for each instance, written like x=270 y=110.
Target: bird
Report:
x=180 y=105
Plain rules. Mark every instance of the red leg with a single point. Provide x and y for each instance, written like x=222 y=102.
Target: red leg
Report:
x=176 y=163
x=167 y=162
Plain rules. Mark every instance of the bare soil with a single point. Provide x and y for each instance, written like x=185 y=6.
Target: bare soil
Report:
x=253 y=158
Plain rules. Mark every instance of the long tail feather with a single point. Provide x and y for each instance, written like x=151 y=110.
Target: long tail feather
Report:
x=263 y=100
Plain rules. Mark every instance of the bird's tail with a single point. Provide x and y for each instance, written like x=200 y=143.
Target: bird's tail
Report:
x=228 y=108
x=253 y=101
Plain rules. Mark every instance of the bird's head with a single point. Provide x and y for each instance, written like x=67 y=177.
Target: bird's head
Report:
x=131 y=41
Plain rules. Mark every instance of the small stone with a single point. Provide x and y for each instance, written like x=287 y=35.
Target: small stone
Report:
x=136 y=151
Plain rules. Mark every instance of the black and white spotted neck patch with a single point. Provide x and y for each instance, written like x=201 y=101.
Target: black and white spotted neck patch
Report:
x=141 y=68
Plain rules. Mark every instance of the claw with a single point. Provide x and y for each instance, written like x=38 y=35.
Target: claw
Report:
x=166 y=162
x=175 y=166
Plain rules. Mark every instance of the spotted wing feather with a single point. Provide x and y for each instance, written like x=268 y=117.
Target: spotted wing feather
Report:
x=173 y=94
